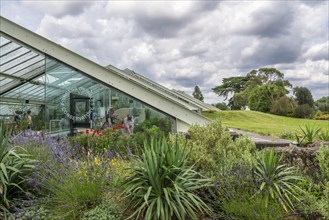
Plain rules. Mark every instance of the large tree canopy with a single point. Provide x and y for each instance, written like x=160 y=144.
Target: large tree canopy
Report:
x=267 y=82
x=231 y=85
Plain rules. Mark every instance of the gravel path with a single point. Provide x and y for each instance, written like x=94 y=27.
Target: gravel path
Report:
x=262 y=139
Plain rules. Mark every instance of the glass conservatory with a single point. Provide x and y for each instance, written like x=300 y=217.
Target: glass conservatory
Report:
x=56 y=84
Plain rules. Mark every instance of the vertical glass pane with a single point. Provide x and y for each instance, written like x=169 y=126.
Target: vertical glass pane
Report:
x=71 y=95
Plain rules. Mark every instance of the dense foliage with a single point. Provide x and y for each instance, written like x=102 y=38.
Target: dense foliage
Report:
x=268 y=83
x=205 y=174
x=15 y=166
x=163 y=183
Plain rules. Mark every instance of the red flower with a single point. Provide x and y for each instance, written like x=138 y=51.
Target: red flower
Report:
x=100 y=135
x=87 y=131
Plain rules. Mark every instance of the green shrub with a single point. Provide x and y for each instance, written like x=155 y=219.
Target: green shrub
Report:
x=107 y=210
x=324 y=135
x=107 y=139
x=319 y=115
x=323 y=158
x=232 y=196
x=283 y=106
x=310 y=133
x=33 y=212
x=287 y=135
x=163 y=183
x=213 y=147
x=163 y=124
x=14 y=168
x=315 y=202
x=74 y=186
x=277 y=181
x=303 y=111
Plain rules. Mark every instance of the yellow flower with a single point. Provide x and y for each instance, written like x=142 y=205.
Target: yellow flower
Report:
x=97 y=161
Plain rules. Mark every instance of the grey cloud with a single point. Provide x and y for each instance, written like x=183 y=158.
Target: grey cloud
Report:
x=313 y=2
x=60 y=9
x=187 y=81
x=271 y=21
x=162 y=27
x=318 y=90
x=166 y=26
x=270 y=52
x=74 y=9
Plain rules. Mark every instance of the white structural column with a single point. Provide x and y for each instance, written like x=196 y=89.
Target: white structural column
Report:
x=184 y=114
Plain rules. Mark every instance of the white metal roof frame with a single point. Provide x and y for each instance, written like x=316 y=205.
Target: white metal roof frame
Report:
x=180 y=95
x=182 y=111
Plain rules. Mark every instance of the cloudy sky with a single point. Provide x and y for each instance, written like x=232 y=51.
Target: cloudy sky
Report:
x=180 y=44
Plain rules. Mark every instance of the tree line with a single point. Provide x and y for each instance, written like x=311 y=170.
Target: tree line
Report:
x=266 y=90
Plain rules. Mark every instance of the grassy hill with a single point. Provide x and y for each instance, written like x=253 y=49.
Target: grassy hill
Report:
x=263 y=123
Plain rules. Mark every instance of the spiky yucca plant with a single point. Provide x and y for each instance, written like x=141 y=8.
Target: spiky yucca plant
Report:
x=276 y=181
x=13 y=166
x=163 y=184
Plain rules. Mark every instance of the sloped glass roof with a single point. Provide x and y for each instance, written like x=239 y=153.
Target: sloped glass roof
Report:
x=23 y=79
x=20 y=71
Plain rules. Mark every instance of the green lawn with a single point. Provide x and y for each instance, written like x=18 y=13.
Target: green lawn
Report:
x=263 y=123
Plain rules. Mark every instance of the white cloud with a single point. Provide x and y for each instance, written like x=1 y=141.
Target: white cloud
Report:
x=318 y=52
x=181 y=44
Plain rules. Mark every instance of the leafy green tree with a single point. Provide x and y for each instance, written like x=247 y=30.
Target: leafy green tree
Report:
x=258 y=99
x=303 y=96
x=303 y=111
x=322 y=104
x=221 y=106
x=266 y=76
x=262 y=97
x=239 y=100
x=283 y=106
x=241 y=88
x=197 y=93
x=231 y=86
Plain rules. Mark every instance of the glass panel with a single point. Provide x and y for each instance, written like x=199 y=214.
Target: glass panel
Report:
x=15 y=58
x=8 y=48
x=25 y=66
x=3 y=41
x=71 y=94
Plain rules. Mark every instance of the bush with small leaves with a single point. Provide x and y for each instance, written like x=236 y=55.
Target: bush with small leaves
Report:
x=107 y=210
x=232 y=196
x=214 y=147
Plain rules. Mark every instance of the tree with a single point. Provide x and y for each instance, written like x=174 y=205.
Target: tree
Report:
x=221 y=106
x=323 y=104
x=231 y=85
x=240 y=88
x=197 y=93
x=258 y=99
x=284 y=106
x=303 y=96
x=303 y=111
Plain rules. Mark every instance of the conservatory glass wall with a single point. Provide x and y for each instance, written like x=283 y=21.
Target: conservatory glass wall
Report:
x=61 y=98
x=75 y=101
